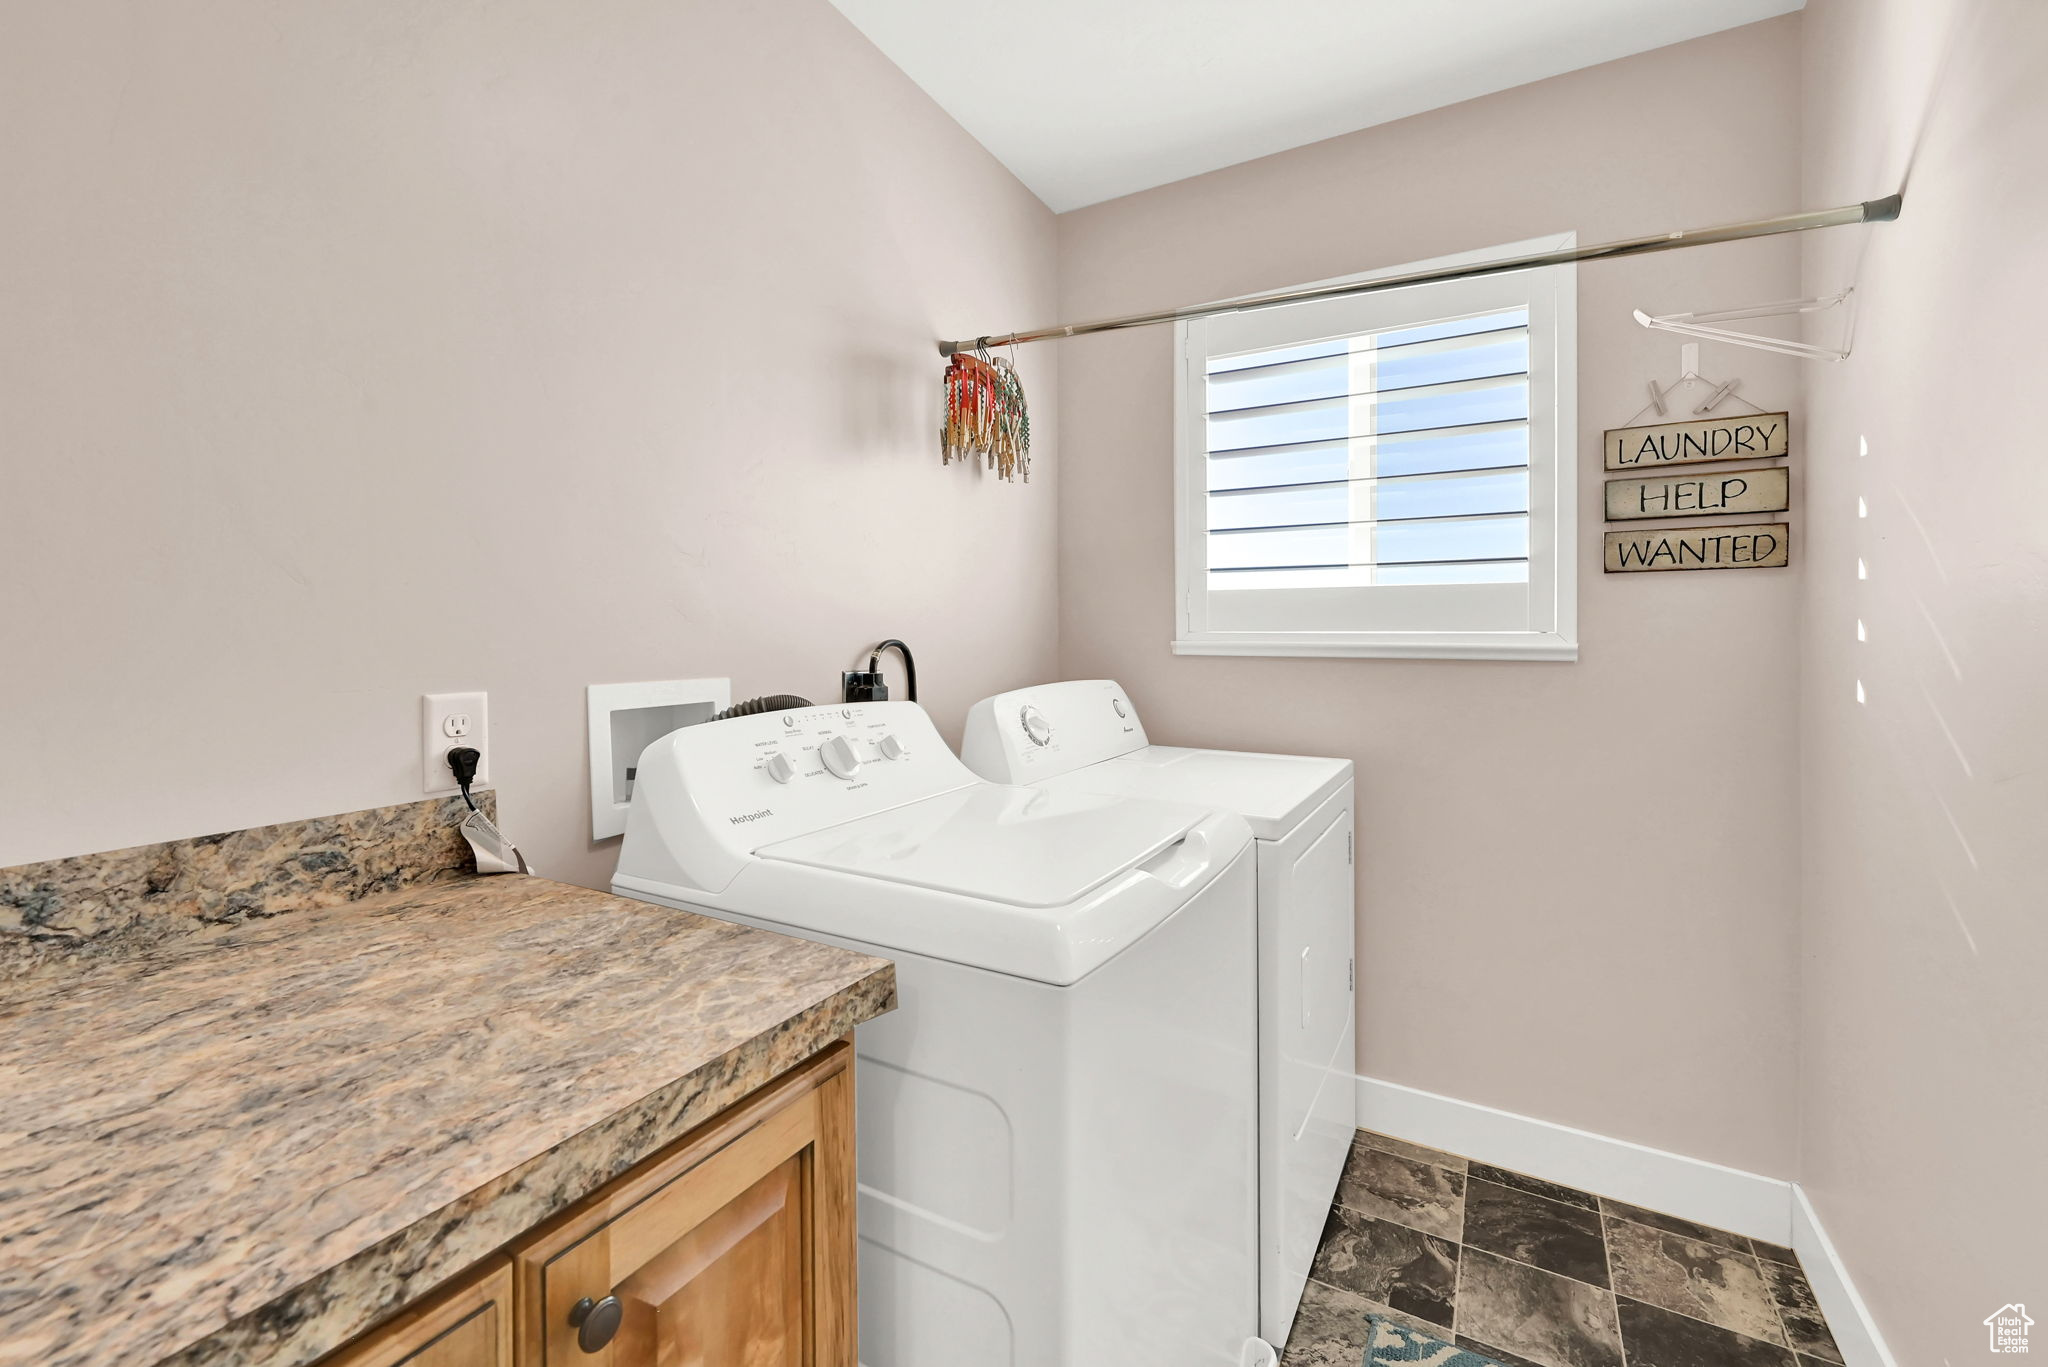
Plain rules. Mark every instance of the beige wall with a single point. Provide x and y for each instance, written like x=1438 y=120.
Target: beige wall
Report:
x=354 y=351
x=1576 y=887
x=1924 y=1028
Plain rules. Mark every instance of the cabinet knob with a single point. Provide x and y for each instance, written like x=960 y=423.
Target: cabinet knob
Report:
x=595 y=1322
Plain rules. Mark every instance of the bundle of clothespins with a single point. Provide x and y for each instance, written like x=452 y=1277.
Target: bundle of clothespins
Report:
x=986 y=417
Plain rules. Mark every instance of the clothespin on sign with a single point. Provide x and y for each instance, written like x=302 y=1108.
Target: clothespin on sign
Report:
x=1720 y=391
x=1713 y=400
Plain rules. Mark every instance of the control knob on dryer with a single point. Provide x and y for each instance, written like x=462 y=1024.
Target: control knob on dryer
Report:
x=1036 y=727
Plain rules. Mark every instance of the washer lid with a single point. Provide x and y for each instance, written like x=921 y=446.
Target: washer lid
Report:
x=1273 y=793
x=1028 y=847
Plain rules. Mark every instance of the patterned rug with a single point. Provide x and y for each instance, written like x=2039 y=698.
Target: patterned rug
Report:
x=1396 y=1343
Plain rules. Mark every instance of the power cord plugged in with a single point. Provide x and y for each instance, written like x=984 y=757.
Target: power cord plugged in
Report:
x=868 y=685
x=494 y=853
x=863 y=685
x=462 y=762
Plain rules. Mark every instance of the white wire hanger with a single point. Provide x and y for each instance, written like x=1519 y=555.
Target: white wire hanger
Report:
x=1718 y=391
x=1698 y=325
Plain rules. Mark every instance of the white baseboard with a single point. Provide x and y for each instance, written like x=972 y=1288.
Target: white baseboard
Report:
x=1848 y=1317
x=1690 y=1188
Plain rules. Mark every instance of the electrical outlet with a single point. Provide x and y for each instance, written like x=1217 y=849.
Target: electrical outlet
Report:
x=446 y=721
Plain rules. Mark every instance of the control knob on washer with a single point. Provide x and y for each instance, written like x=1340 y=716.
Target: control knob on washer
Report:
x=839 y=757
x=779 y=768
x=890 y=747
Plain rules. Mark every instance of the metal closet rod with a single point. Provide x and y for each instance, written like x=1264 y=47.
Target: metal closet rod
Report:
x=1869 y=211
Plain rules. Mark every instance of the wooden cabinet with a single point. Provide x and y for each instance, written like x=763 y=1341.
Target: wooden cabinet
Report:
x=733 y=1247
x=467 y=1325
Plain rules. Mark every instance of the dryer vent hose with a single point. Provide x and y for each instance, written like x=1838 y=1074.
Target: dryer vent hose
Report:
x=767 y=702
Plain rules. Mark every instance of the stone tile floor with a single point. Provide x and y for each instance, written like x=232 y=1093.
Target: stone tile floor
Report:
x=1539 y=1275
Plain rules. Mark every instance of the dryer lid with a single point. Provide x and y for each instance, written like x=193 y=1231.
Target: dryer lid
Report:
x=1273 y=793
x=1026 y=847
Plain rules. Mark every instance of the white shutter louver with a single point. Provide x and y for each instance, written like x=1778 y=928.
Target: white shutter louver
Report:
x=1397 y=458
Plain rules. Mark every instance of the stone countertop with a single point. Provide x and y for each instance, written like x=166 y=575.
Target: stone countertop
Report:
x=251 y=1143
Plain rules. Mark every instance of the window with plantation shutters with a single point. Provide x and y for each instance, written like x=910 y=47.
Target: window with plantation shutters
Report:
x=1388 y=474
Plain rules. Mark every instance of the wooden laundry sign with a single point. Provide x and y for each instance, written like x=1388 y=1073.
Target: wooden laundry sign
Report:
x=1740 y=491
x=1761 y=546
x=1758 y=436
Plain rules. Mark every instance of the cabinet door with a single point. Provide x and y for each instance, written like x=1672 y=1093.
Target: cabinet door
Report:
x=468 y=1325
x=735 y=1248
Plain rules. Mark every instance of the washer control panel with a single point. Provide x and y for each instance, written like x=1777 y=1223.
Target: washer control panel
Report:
x=841 y=745
x=709 y=794
x=825 y=755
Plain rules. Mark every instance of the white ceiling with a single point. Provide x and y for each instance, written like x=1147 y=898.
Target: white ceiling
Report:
x=1086 y=100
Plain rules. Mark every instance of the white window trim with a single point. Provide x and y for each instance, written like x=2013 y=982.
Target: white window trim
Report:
x=1559 y=641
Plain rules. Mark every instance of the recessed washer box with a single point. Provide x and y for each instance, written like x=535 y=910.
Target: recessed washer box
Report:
x=624 y=720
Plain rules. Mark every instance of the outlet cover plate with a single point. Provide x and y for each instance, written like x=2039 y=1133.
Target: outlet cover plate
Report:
x=446 y=721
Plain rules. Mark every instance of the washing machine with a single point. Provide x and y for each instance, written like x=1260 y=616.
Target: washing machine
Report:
x=1085 y=737
x=1056 y=1126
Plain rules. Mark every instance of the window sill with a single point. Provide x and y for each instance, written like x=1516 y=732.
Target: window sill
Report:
x=1476 y=646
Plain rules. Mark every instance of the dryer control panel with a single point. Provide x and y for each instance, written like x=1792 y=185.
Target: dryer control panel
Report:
x=1036 y=733
x=708 y=795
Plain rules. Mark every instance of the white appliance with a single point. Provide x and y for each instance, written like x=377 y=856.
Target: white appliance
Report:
x=1056 y=1126
x=1085 y=737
